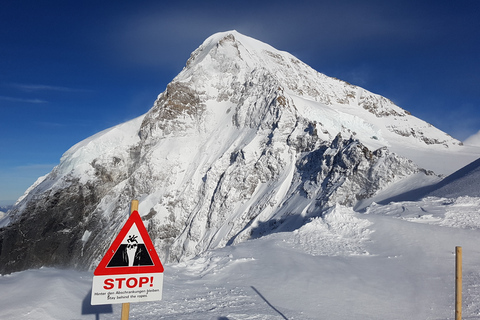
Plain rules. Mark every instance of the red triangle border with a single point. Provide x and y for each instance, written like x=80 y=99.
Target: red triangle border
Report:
x=157 y=267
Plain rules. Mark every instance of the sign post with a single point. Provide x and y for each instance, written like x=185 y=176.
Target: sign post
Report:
x=131 y=270
x=126 y=305
x=458 y=283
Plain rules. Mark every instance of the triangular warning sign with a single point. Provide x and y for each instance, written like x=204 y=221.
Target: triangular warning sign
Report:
x=131 y=252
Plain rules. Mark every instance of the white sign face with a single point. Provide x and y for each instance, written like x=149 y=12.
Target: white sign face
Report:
x=131 y=270
x=124 y=288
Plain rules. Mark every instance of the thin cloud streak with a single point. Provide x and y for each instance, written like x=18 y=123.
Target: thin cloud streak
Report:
x=42 y=87
x=22 y=100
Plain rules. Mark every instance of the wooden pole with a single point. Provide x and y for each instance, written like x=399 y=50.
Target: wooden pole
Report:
x=134 y=206
x=126 y=306
x=125 y=310
x=458 y=283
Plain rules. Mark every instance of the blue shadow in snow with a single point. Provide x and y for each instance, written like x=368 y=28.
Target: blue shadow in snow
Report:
x=87 y=307
x=269 y=304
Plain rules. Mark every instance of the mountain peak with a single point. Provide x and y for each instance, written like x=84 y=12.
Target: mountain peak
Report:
x=228 y=36
x=236 y=39
x=228 y=64
x=231 y=48
x=246 y=138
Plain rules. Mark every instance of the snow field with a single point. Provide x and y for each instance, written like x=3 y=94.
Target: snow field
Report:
x=393 y=262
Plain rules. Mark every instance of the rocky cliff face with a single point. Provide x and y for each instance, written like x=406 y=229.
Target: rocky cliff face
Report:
x=242 y=140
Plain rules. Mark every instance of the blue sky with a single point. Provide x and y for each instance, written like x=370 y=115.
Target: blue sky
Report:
x=69 y=69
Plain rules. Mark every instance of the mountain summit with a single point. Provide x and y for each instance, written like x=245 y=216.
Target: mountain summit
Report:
x=245 y=141
x=228 y=64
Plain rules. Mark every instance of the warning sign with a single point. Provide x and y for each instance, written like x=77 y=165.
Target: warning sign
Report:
x=131 y=270
x=127 y=288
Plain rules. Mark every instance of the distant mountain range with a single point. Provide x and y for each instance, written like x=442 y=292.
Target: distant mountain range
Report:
x=5 y=208
x=247 y=140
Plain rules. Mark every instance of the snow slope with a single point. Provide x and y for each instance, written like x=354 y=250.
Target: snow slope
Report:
x=390 y=263
x=461 y=183
x=393 y=261
x=464 y=182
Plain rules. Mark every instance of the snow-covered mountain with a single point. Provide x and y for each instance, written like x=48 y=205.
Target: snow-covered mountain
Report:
x=393 y=261
x=245 y=141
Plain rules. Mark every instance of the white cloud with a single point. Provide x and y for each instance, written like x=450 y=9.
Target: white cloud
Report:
x=473 y=140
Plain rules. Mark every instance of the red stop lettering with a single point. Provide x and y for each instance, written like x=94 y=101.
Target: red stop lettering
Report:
x=132 y=282
x=143 y=280
x=120 y=281
x=108 y=284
